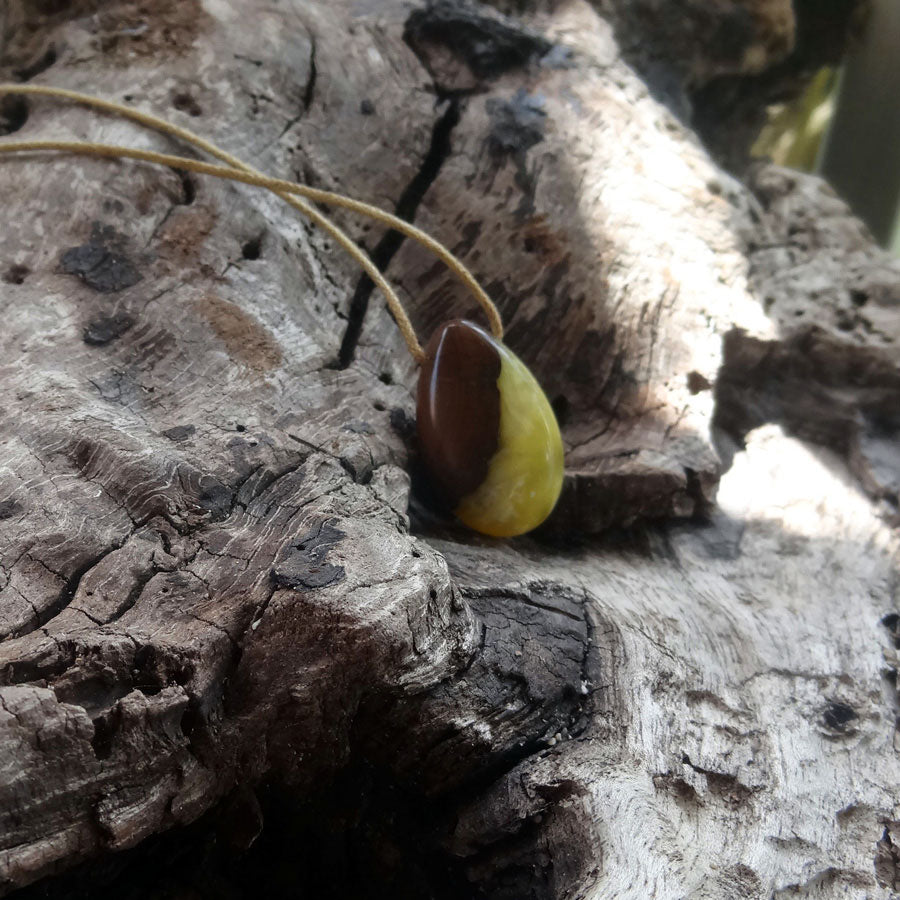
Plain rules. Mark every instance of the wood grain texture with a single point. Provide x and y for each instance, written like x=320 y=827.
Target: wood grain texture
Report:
x=215 y=577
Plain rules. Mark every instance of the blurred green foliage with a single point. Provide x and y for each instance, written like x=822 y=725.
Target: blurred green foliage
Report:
x=794 y=133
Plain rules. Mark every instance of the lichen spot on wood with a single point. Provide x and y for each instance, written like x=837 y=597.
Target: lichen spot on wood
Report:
x=245 y=339
x=161 y=29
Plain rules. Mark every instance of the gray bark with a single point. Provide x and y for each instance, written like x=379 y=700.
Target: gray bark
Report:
x=215 y=577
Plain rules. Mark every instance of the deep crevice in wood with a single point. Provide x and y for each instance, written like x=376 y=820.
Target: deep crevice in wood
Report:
x=391 y=241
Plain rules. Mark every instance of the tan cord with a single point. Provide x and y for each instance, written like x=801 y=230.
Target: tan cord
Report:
x=284 y=189
x=393 y=301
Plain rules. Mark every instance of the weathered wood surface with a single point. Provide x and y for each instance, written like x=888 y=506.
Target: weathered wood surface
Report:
x=210 y=577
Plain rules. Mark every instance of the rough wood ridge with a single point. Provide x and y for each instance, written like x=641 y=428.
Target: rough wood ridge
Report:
x=225 y=614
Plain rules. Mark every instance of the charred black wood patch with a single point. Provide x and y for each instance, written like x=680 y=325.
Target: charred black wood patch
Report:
x=179 y=432
x=305 y=568
x=103 y=330
x=489 y=44
x=102 y=263
x=517 y=124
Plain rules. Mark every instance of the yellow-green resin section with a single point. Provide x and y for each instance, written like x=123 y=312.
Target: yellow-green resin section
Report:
x=525 y=475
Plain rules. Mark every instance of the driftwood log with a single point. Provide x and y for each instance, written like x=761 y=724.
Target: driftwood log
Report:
x=241 y=656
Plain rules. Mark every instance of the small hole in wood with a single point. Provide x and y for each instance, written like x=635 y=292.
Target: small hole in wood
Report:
x=16 y=274
x=184 y=102
x=845 y=323
x=13 y=113
x=252 y=249
x=837 y=716
x=188 y=187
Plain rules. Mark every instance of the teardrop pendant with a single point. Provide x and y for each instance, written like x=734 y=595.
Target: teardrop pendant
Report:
x=487 y=434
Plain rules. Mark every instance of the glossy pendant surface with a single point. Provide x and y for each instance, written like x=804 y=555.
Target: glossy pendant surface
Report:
x=487 y=433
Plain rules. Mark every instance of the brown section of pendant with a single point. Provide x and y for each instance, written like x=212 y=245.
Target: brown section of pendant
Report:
x=458 y=408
